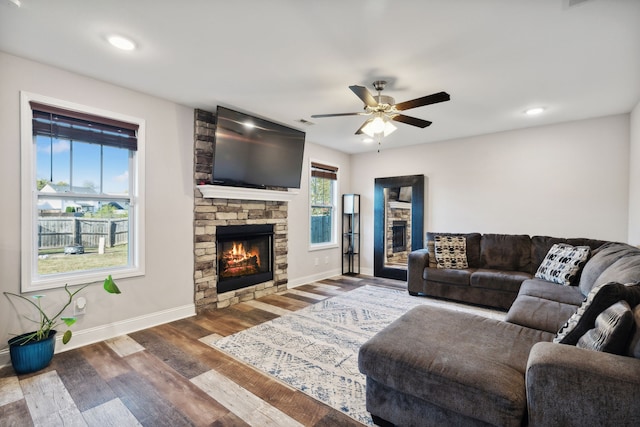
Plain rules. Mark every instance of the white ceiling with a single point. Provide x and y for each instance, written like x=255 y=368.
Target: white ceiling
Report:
x=288 y=59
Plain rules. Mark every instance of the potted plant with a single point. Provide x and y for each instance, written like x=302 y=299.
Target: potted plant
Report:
x=33 y=351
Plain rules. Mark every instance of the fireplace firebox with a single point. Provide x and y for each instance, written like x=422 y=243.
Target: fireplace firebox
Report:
x=244 y=255
x=399 y=236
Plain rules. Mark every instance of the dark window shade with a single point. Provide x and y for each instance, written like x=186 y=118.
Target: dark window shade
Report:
x=319 y=170
x=58 y=123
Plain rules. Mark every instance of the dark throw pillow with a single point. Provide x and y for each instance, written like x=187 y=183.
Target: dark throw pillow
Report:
x=634 y=342
x=451 y=252
x=562 y=263
x=600 y=298
x=612 y=330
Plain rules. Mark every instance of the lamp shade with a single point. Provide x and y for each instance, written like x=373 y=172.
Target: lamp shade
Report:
x=378 y=125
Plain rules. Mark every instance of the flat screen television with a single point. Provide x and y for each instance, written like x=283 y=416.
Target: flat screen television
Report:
x=254 y=152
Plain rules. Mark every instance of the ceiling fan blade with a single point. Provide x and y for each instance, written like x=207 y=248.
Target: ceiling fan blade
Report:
x=364 y=94
x=413 y=121
x=359 y=131
x=317 y=116
x=425 y=100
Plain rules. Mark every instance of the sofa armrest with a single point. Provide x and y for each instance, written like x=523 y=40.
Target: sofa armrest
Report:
x=418 y=260
x=570 y=386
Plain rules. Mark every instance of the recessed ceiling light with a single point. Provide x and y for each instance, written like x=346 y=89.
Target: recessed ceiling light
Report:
x=534 y=111
x=15 y=3
x=121 y=42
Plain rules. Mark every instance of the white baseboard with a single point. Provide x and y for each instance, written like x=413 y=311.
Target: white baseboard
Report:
x=313 y=278
x=112 y=330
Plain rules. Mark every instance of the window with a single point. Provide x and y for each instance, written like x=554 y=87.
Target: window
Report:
x=82 y=181
x=323 y=195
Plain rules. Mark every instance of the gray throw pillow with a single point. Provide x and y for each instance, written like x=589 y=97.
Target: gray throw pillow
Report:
x=562 y=263
x=600 y=298
x=612 y=330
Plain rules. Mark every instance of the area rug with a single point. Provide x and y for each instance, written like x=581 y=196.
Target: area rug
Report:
x=315 y=349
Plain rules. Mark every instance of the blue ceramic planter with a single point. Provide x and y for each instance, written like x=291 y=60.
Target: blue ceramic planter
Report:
x=32 y=356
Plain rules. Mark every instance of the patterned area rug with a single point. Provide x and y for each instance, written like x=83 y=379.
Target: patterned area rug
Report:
x=315 y=349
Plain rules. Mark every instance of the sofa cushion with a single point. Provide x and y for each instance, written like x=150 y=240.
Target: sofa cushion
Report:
x=500 y=280
x=634 y=342
x=472 y=242
x=601 y=260
x=451 y=252
x=624 y=270
x=611 y=331
x=539 y=313
x=600 y=297
x=544 y=305
x=449 y=276
x=455 y=360
x=542 y=289
x=508 y=252
x=562 y=263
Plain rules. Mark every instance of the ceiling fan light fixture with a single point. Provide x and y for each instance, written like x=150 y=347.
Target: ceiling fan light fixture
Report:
x=389 y=128
x=378 y=125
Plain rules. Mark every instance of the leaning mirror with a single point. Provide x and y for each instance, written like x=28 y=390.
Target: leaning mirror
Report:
x=398 y=223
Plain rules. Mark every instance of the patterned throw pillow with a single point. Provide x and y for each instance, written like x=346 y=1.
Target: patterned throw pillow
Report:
x=600 y=297
x=562 y=263
x=451 y=251
x=612 y=330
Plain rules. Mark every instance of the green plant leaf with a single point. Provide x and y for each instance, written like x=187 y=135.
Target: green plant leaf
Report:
x=68 y=320
x=110 y=286
x=66 y=337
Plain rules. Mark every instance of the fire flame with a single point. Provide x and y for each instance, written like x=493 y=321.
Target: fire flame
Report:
x=239 y=261
x=238 y=254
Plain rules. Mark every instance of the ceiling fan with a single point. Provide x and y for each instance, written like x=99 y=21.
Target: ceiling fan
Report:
x=384 y=109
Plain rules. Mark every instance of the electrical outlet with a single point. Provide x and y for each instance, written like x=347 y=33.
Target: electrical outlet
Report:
x=80 y=306
x=317 y=261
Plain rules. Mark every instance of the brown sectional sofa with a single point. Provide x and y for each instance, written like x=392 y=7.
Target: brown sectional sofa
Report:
x=435 y=367
x=498 y=264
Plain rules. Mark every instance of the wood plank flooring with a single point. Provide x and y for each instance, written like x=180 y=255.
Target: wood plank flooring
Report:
x=169 y=376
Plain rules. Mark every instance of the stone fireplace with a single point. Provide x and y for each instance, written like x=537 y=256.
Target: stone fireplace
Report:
x=213 y=213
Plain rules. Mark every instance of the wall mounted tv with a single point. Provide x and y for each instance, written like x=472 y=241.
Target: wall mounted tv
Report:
x=254 y=152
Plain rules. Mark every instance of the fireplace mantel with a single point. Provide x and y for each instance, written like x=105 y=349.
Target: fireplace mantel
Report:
x=399 y=205
x=240 y=193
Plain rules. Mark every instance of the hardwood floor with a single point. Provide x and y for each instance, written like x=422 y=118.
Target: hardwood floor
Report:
x=169 y=376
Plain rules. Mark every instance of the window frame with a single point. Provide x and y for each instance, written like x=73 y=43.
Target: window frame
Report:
x=335 y=205
x=30 y=280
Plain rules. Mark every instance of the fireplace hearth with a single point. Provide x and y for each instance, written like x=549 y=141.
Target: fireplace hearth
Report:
x=244 y=255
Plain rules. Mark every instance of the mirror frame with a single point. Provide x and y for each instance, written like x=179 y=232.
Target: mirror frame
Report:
x=416 y=182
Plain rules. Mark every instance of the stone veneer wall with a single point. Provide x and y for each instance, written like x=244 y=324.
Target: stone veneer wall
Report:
x=211 y=213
